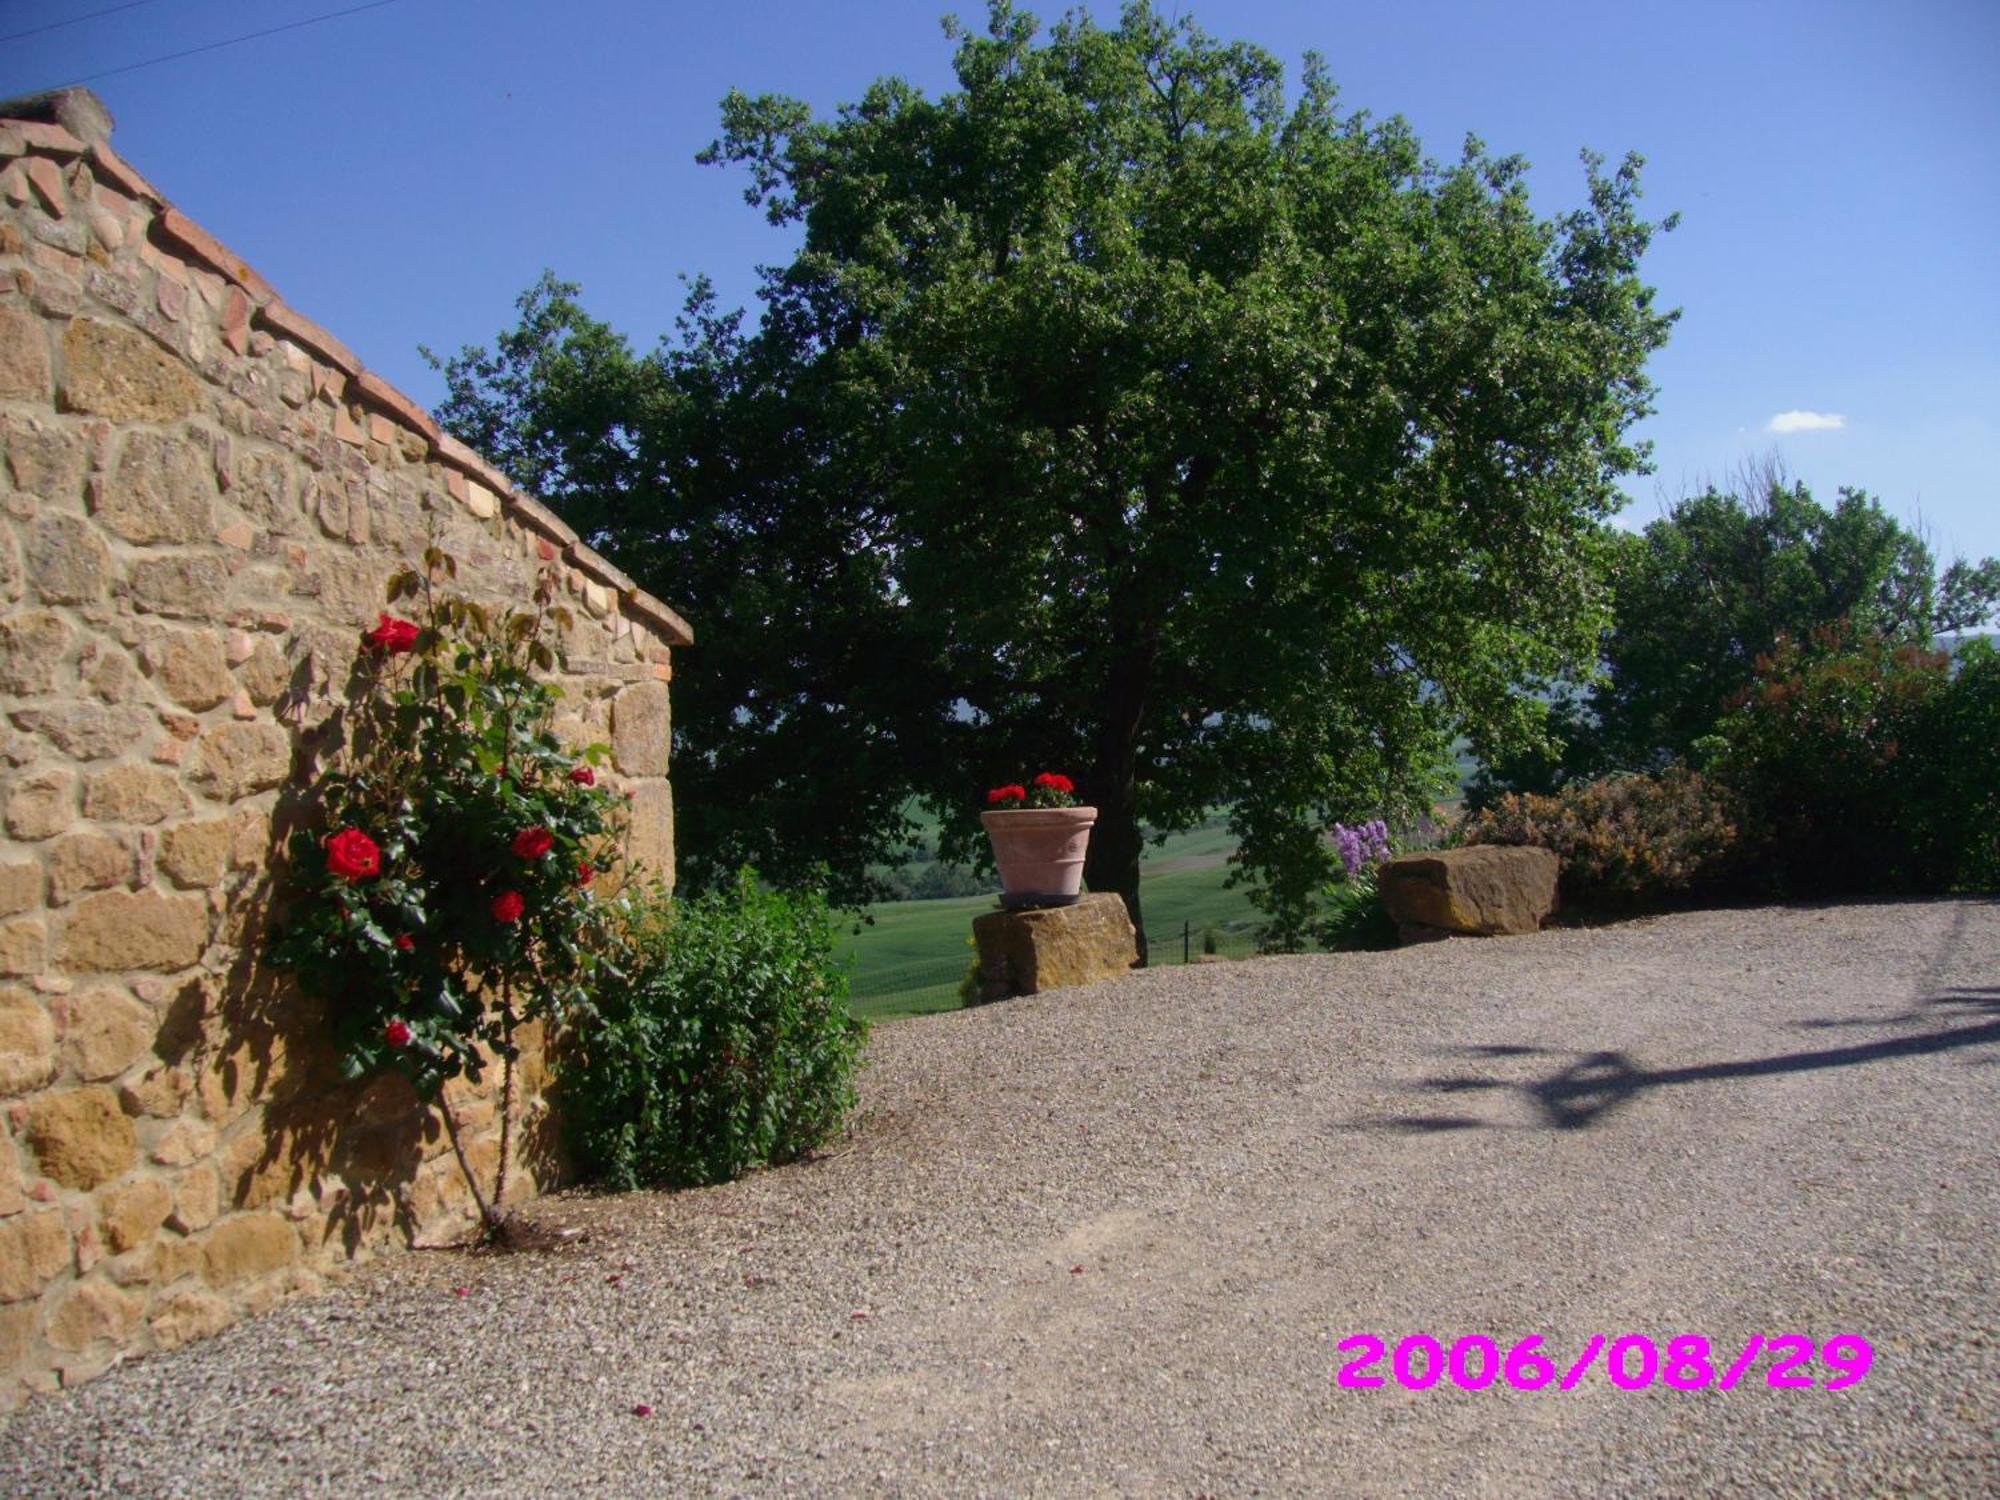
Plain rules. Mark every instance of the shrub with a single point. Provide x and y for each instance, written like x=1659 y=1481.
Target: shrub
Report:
x=972 y=988
x=1870 y=764
x=727 y=1046
x=1354 y=919
x=1624 y=840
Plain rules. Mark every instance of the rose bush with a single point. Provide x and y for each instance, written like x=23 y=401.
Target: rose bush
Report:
x=451 y=903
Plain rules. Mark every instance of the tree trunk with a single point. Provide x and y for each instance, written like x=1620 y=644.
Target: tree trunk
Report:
x=1112 y=861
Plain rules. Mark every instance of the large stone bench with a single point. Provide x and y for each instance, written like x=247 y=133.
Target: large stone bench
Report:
x=1482 y=890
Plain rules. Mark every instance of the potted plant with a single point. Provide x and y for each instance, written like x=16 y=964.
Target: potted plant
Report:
x=1039 y=836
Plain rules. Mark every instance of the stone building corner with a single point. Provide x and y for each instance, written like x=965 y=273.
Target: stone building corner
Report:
x=202 y=493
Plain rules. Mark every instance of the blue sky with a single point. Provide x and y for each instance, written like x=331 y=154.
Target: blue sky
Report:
x=401 y=173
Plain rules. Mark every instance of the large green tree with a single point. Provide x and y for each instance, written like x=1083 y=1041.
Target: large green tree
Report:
x=1720 y=581
x=1137 y=421
x=720 y=469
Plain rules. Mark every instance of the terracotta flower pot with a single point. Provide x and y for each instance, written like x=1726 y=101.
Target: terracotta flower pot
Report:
x=1040 y=853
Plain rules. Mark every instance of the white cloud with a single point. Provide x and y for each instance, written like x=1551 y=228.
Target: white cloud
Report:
x=1806 y=421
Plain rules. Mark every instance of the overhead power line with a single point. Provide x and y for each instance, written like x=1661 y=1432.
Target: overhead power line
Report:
x=74 y=20
x=234 y=41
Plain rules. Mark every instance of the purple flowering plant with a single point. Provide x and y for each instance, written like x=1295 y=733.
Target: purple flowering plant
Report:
x=1363 y=847
x=1353 y=917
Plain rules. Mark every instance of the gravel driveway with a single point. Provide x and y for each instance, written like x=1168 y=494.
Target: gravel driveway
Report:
x=1106 y=1241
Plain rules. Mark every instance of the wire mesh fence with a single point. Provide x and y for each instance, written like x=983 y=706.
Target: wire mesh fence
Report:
x=1191 y=942
x=930 y=985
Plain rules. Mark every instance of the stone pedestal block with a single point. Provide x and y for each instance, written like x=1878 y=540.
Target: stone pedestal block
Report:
x=1026 y=952
x=1484 y=890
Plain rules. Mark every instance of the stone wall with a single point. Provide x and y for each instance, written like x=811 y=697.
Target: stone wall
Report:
x=202 y=494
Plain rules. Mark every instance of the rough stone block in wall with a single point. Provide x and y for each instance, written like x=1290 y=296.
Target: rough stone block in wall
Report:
x=32 y=648
x=39 y=803
x=640 y=729
x=80 y=1137
x=80 y=862
x=27 y=1041
x=202 y=493
x=45 y=459
x=68 y=561
x=118 y=372
x=652 y=829
x=162 y=491
x=24 y=354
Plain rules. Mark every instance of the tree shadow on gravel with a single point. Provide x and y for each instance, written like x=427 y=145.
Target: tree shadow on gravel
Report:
x=1600 y=1083
x=1959 y=1001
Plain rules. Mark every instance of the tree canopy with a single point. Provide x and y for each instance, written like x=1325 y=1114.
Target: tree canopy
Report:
x=1115 y=415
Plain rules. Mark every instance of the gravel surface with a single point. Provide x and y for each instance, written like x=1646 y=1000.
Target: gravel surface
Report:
x=1107 y=1240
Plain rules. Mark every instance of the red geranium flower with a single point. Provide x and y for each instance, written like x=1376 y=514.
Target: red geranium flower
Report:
x=352 y=855
x=585 y=874
x=583 y=776
x=405 y=941
x=533 y=843
x=1001 y=794
x=392 y=635
x=397 y=1033
x=1055 y=782
x=508 y=906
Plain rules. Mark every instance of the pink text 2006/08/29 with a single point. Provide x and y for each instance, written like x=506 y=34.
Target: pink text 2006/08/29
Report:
x=1632 y=1362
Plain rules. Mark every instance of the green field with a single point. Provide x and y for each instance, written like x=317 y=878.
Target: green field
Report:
x=910 y=960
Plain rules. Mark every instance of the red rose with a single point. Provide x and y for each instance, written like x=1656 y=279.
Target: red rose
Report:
x=397 y=1033
x=1006 y=794
x=585 y=874
x=533 y=843
x=1054 y=782
x=392 y=635
x=583 y=776
x=405 y=941
x=508 y=906
x=352 y=855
